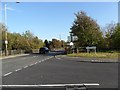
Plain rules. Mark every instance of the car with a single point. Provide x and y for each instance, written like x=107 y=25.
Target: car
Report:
x=43 y=50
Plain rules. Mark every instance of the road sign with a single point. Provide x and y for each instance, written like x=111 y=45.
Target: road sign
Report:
x=89 y=48
x=6 y=42
x=71 y=44
x=69 y=39
x=74 y=38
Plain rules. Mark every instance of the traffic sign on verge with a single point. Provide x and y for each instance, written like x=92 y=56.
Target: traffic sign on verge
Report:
x=71 y=44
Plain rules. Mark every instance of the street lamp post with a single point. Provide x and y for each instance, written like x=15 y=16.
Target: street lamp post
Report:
x=5 y=21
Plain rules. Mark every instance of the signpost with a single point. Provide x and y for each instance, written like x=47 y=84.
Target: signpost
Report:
x=90 y=48
x=71 y=44
x=74 y=38
x=71 y=39
x=6 y=42
x=5 y=22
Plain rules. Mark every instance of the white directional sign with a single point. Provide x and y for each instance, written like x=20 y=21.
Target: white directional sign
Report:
x=6 y=42
x=91 y=47
x=74 y=38
x=69 y=39
x=71 y=44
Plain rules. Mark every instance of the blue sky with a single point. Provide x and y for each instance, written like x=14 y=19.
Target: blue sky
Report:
x=52 y=20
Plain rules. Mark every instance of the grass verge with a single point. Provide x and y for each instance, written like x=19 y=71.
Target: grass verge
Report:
x=95 y=55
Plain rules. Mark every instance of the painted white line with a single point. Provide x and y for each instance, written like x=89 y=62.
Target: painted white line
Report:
x=42 y=60
x=45 y=59
x=48 y=58
x=90 y=84
x=31 y=64
x=39 y=61
x=58 y=58
x=25 y=66
x=7 y=74
x=18 y=69
x=36 y=63
x=52 y=85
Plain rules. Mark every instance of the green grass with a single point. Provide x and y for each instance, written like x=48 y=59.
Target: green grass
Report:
x=97 y=55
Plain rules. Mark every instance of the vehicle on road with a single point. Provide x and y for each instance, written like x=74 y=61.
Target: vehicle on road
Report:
x=44 y=50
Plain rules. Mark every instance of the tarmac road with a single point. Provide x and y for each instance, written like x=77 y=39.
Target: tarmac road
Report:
x=45 y=69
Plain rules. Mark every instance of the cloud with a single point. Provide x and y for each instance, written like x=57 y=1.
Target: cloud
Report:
x=12 y=9
x=9 y=8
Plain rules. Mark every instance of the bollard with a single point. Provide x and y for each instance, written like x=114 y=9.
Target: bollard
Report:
x=54 y=56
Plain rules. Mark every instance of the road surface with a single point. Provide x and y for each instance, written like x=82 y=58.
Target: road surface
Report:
x=38 y=69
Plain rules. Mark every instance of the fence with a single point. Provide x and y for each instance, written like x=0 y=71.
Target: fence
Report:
x=35 y=50
x=12 y=52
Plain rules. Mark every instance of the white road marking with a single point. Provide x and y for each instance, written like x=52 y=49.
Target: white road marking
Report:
x=45 y=59
x=52 y=85
x=18 y=69
x=48 y=58
x=36 y=63
x=39 y=61
x=31 y=64
x=25 y=66
x=7 y=74
x=58 y=58
x=42 y=60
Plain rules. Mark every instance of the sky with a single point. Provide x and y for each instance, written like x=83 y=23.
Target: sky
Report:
x=49 y=20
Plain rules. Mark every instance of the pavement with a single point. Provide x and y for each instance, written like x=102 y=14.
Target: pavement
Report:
x=13 y=56
x=38 y=69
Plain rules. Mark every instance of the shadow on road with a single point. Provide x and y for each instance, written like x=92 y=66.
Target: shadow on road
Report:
x=51 y=53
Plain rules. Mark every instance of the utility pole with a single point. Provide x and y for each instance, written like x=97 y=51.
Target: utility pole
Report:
x=5 y=21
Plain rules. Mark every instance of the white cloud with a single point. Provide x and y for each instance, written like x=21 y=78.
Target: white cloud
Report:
x=11 y=9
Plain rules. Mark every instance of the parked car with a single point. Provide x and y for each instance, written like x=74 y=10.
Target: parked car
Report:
x=43 y=50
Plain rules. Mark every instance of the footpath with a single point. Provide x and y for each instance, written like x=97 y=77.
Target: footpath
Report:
x=12 y=56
